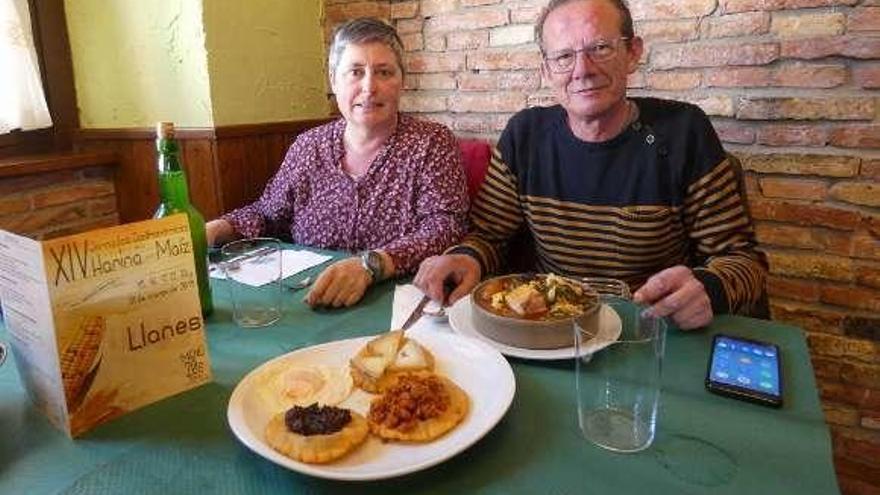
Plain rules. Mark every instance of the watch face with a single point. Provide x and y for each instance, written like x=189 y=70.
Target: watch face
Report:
x=372 y=261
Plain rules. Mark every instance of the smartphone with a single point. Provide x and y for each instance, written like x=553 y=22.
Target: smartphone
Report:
x=745 y=369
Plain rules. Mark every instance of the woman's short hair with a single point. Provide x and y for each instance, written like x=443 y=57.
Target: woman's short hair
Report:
x=363 y=30
x=626 y=20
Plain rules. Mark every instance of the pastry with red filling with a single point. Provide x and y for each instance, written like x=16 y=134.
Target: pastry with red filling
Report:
x=418 y=407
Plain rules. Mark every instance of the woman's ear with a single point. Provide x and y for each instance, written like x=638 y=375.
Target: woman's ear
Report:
x=332 y=82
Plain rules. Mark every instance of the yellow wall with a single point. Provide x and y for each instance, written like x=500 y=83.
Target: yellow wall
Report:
x=197 y=63
x=138 y=62
x=266 y=60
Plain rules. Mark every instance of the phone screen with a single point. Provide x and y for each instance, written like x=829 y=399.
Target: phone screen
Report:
x=746 y=369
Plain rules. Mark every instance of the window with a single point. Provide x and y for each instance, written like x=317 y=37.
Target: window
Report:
x=22 y=100
x=48 y=31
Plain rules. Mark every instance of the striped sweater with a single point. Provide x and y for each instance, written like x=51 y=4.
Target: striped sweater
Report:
x=661 y=193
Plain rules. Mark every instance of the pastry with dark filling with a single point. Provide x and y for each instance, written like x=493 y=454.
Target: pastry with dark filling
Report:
x=316 y=434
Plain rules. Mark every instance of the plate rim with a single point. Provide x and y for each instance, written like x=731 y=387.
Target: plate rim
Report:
x=560 y=354
x=235 y=415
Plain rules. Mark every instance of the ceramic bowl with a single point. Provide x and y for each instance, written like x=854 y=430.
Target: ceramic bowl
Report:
x=526 y=333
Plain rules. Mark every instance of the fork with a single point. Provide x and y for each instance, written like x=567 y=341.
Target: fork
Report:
x=438 y=313
x=302 y=284
x=234 y=263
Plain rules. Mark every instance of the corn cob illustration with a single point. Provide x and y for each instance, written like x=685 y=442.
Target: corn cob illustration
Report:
x=80 y=359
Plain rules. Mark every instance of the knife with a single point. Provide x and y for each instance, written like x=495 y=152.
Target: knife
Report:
x=416 y=313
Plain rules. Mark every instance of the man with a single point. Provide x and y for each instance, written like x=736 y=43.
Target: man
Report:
x=635 y=189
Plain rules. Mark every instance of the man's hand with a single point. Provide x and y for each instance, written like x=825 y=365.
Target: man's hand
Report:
x=675 y=292
x=458 y=270
x=341 y=284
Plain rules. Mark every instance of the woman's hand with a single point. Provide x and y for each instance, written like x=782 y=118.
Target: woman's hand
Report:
x=219 y=231
x=342 y=284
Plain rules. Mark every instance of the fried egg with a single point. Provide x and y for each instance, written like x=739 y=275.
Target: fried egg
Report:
x=286 y=386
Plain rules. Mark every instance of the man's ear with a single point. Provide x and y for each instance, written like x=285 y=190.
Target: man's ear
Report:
x=635 y=49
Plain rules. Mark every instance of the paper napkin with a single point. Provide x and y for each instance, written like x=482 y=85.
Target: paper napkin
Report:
x=261 y=271
x=406 y=297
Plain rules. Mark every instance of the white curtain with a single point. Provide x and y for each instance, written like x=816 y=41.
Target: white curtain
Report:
x=22 y=102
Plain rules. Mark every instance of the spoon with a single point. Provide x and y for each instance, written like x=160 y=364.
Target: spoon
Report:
x=302 y=284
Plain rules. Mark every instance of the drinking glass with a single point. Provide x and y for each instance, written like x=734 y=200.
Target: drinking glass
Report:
x=618 y=387
x=253 y=273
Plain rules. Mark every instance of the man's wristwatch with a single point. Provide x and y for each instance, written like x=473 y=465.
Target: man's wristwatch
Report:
x=372 y=263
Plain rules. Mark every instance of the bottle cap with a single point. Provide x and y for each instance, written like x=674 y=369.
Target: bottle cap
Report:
x=165 y=130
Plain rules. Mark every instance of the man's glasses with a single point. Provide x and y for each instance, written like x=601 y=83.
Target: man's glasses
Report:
x=599 y=51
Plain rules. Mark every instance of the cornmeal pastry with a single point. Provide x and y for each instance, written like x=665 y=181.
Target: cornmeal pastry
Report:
x=316 y=434
x=378 y=363
x=418 y=407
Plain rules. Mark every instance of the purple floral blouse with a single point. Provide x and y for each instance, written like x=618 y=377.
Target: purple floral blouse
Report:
x=412 y=201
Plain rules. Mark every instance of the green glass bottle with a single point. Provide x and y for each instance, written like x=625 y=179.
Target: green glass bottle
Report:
x=174 y=198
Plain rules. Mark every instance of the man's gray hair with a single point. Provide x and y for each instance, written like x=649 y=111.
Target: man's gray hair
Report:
x=363 y=30
x=626 y=20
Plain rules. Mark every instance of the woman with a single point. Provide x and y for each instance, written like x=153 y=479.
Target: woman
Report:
x=375 y=182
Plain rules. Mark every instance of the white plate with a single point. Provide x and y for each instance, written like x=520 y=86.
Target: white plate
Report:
x=462 y=324
x=474 y=366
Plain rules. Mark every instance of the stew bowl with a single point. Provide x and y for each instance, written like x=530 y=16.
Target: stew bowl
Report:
x=502 y=324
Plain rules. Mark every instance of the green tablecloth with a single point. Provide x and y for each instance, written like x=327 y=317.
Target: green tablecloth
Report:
x=183 y=444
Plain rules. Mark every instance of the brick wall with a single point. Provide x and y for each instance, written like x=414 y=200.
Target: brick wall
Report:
x=53 y=204
x=792 y=87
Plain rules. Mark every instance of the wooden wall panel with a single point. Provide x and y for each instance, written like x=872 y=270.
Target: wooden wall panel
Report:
x=136 y=177
x=144 y=187
x=198 y=159
x=226 y=167
x=232 y=171
x=267 y=167
x=277 y=145
x=126 y=203
x=256 y=163
x=249 y=155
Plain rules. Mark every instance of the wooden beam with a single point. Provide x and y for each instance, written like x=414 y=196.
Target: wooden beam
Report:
x=38 y=164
